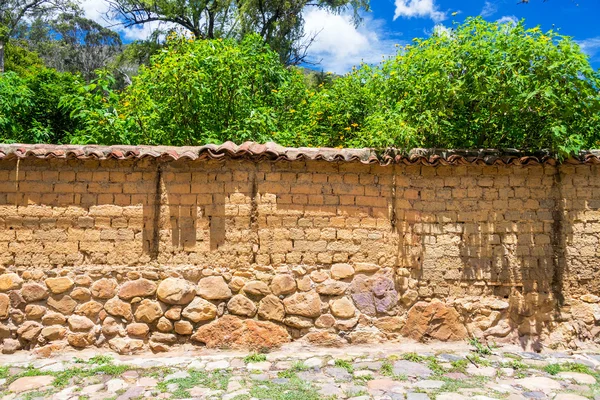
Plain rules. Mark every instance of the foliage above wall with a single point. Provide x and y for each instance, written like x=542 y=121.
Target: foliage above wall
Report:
x=479 y=85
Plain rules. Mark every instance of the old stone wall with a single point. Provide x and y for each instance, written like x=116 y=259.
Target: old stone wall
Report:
x=143 y=254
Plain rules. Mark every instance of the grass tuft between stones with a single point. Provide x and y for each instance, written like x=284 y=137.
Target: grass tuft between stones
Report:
x=255 y=357
x=217 y=381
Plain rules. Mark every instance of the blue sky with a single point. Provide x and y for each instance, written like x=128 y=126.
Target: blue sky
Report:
x=340 y=44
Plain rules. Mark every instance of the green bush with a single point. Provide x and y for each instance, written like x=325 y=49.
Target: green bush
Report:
x=482 y=85
x=29 y=106
x=211 y=91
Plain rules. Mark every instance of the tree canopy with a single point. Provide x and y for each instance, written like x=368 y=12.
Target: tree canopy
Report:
x=278 y=22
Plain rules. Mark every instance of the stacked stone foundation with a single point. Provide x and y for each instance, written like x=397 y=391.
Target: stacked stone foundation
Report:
x=144 y=254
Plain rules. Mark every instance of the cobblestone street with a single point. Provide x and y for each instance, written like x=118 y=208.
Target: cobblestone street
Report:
x=389 y=371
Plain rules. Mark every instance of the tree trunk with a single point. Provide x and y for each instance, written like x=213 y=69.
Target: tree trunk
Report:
x=1 y=56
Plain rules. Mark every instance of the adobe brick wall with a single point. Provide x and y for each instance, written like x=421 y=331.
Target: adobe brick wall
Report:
x=259 y=253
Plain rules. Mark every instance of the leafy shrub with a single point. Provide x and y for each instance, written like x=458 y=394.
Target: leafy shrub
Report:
x=29 y=106
x=480 y=85
x=211 y=91
x=483 y=85
x=95 y=112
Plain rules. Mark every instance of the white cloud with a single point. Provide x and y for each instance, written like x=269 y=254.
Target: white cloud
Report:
x=590 y=46
x=489 y=9
x=418 y=8
x=339 y=44
x=511 y=19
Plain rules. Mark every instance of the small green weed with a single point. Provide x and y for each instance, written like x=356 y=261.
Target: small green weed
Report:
x=480 y=348
x=344 y=364
x=554 y=369
x=295 y=389
x=255 y=357
x=516 y=365
x=217 y=380
x=459 y=365
x=435 y=366
x=364 y=378
x=100 y=360
x=288 y=373
x=387 y=369
x=480 y=361
x=414 y=357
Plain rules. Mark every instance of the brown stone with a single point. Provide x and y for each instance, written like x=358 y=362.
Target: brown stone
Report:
x=138 y=288
x=4 y=331
x=59 y=285
x=64 y=304
x=433 y=320
x=118 y=308
x=257 y=288
x=10 y=281
x=298 y=322
x=365 y=335
x=325 y=321
x=306 y=304
x=283 y=284
x=366 y=267
x=16 y=300
x=148 y=311
x=373 y=294
x=10 y=346
x=79 y=323
x=214 y=288
x=241 y=305
x=331 y=287
x=110 y=327
x=319 y=276
x=270 y=307
x=304 y=284
x=126 y=345
x=81 y=340
x=389 y=324
x=54 y=332
x=81 y=294
x=345 y=324
x=164 y=325
x=230 y=331
x=91 y=309
x=167 y=338
x=29 y=330
x=237 y=283
x=173 y=313
x=342 y=308
x=104 y=288
x=158 y=347
x=17 y=316
x=53 y=318
x=83 y=280
x=4 y=306
x=324 y=338
x=33 y=292
x=138 y=329
x=28 y=383
x=199 y=310
x=183 y=328
x=341 y=271
x=176 y=291
x=590 y=298
x=32 y=311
